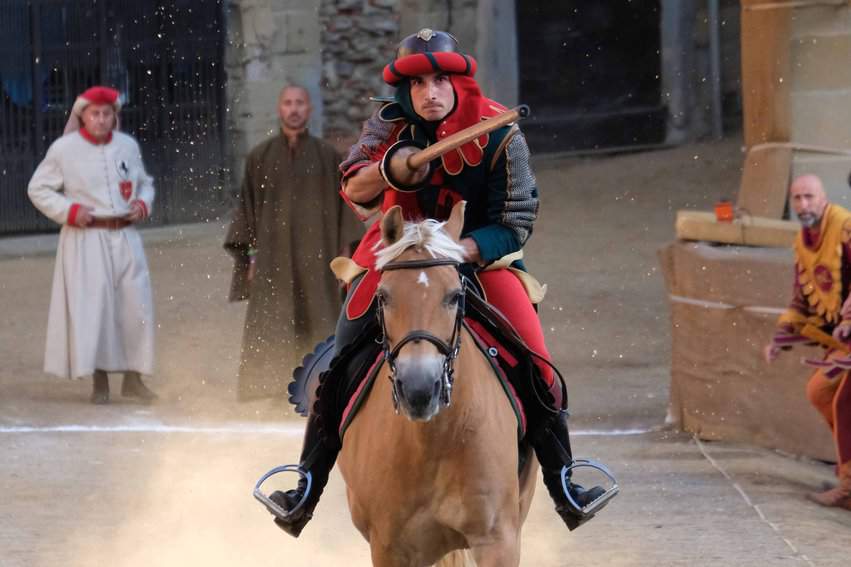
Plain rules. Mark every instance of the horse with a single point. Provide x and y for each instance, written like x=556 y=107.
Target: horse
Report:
x=434 y=471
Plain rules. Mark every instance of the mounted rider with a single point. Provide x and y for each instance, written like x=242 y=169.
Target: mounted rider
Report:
x=437 y=96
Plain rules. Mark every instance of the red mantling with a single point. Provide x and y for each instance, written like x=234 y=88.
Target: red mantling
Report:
x=85 y=134
x=471 y=107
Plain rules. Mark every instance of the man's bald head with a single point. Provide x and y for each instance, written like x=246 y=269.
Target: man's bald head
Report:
x=294 y=108
x=808 y=199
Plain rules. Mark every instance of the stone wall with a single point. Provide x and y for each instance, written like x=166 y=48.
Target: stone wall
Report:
x=358 y=38
x=820 y=97
x=338 y=48
x=270 y=43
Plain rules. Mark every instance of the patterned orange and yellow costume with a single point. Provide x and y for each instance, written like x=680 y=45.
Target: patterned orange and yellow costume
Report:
x=822 y=279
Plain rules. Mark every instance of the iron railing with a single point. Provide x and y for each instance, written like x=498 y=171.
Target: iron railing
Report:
x=166 y=58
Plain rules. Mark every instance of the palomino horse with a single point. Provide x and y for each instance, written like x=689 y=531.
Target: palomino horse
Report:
x=440 y=482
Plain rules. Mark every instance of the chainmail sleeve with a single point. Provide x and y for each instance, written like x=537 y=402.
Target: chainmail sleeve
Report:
x=512 y=201
x=371 y=145
x=520 y=205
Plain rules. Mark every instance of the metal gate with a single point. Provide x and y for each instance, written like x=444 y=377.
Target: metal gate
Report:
x=165 y=57
x=591 y=73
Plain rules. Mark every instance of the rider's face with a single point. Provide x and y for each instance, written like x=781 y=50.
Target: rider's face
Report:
x=432 y=96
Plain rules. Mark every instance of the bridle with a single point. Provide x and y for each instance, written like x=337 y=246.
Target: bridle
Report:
x=449 y=349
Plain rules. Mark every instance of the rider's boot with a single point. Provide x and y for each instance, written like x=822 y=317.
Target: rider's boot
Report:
x=317 y=458
x=552 y=446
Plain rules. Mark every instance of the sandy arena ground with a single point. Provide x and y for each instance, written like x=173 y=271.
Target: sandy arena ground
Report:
x=170 y=484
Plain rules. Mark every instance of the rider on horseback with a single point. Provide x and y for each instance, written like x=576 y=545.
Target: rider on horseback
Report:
x=437 y=96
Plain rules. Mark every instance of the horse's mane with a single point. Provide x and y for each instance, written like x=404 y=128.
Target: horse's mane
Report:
x=427 y=235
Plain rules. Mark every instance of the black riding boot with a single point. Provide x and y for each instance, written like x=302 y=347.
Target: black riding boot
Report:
x=321 y=447
x=552 y=445
x=317 y=458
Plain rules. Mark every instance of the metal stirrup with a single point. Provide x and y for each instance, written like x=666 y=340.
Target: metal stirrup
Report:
x=270 y=504
x=598 y=502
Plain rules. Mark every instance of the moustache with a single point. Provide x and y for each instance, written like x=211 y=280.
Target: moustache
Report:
x=808 y=219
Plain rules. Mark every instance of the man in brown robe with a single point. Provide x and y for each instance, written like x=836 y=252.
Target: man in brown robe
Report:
x=288 y=225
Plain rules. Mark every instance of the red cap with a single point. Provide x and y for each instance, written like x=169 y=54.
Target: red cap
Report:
x=96 y=95
x=100 y=95
x=93 y=95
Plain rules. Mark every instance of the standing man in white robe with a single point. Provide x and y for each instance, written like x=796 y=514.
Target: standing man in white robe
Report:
x=92 y=182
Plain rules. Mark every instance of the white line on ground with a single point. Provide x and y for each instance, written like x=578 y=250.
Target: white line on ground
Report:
x=774 y=526
x=720 y=305
x=241 y=429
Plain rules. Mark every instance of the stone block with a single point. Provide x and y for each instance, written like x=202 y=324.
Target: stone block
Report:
x=822 y=118
x=258 y=24
x=280 y=6
x=821 y=63
x=298 y=32
x=349 y=4
x=341 y=23
x=820 y=21
x=380 y=24
x=344 y=68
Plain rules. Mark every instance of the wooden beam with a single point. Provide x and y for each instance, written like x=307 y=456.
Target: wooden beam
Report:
x=748 y=231
x=765 y=181
x=766 y=72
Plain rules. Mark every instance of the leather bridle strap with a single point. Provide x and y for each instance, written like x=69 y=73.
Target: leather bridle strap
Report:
x=415 y=264
x=449 y=350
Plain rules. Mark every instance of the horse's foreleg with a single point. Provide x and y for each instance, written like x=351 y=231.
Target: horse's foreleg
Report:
x=384 y=557
x=505 y=553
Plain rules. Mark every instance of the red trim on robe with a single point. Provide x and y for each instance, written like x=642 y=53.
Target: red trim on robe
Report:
x=91 y=139
x=72 y=214
x=143 y=205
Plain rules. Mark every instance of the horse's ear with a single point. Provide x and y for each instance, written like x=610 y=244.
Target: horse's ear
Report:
x=455 y=224
x=392 y=225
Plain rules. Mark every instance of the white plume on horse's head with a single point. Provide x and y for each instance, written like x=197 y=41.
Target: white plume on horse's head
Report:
x=427 y=235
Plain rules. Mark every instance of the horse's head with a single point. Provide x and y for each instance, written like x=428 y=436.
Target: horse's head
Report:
x=421 y=306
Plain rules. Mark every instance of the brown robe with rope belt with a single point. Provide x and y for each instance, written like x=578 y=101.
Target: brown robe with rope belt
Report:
x=290 y=212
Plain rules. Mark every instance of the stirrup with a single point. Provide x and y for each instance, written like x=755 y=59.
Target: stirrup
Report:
x=270 y=504
x=587 y=511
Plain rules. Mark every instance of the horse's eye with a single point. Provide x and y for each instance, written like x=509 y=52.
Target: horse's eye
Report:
x=453 y=298
x=382 y=296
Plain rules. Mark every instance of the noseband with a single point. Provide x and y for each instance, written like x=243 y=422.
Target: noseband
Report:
x=449 y=349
